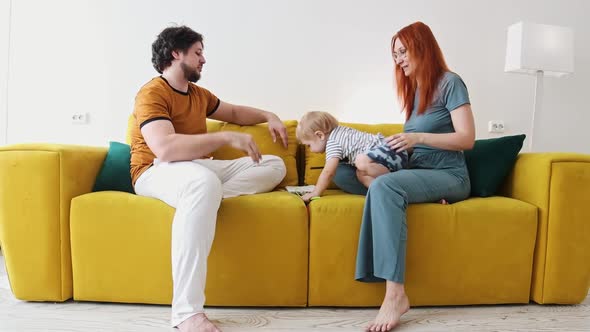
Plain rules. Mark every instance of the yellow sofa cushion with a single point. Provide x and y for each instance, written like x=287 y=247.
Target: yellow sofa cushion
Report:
x=453 y=251
x=121 y=250
x=314 y=162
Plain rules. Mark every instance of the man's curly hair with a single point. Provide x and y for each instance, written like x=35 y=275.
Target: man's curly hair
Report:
x=172 y=39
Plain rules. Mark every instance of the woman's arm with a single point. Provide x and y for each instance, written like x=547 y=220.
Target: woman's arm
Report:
x=462 y=139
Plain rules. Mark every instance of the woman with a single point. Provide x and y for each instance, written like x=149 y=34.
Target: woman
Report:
x=439 y=126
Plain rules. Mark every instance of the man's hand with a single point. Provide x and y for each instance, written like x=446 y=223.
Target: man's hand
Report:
x=276 y=126
x=244 y=142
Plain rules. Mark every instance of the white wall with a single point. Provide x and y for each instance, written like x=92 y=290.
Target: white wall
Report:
x=283 y=56
x=4 y=33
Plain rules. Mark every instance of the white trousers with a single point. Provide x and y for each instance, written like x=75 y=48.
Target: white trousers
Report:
x=195 y=189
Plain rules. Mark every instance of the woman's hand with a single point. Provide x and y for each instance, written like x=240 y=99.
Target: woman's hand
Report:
x=404 y=141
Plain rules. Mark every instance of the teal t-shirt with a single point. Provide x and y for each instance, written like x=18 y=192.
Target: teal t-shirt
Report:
x=451 y=94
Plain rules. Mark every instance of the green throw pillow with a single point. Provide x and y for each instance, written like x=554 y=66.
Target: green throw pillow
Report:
x=490 y=161
x=114 y=174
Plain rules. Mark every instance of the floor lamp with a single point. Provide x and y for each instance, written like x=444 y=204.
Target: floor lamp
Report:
x=540 y=50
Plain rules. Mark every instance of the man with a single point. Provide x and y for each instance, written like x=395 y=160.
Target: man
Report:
x=169 y=161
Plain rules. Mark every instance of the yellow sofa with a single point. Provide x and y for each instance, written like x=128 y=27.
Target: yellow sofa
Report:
x=62 y=241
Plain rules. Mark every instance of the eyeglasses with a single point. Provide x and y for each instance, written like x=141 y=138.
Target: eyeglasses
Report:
x=403 y=54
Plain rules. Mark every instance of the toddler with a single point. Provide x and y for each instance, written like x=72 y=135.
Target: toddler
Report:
x=369 y=153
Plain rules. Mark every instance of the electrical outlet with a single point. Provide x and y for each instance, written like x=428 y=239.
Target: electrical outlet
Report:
x=80 y=118
x=495 y=126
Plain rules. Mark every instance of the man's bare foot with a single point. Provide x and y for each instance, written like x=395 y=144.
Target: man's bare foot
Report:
x=443 y=202
x=390 y=313
x=197 y=323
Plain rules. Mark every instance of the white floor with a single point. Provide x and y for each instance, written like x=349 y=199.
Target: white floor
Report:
x=73 y=316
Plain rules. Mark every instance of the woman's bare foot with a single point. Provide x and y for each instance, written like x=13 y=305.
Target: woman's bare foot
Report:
x=390 y=313
x=197 y=323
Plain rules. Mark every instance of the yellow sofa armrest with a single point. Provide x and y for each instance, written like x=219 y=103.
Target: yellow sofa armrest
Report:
x=37 y=184
x=559 y=185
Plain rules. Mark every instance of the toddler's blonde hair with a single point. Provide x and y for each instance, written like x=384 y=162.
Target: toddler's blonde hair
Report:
x=315 y=121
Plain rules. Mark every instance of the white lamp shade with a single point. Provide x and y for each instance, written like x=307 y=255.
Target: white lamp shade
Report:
x=539 y=47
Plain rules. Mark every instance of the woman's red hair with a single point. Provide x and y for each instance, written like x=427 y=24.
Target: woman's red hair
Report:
x=429 y=64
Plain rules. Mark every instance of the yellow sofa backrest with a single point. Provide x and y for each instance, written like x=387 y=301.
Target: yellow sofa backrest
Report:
x=265 y=144
x=130 y=124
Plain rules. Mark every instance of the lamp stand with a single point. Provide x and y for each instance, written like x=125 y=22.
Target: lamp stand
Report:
x=537 y=104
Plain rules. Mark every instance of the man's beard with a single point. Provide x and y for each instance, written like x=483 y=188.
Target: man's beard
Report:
x=191 y=75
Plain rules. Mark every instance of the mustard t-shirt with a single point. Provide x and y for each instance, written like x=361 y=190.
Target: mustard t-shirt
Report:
x=157 y=100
